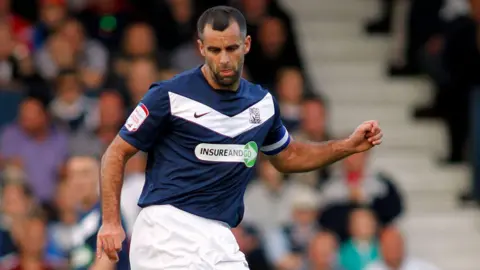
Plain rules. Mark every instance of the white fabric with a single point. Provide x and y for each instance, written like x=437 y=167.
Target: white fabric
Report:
x=268 y=210
x=409 y=264
x=131 y=192
x=167 y=238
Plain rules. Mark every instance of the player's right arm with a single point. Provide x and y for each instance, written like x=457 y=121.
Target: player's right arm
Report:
x=140 y=132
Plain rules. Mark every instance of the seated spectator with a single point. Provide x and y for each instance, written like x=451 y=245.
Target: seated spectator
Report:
x=70 y=108
x=62 y=224
x=187 y=56
x=357 y=185
x=134 y=180
x=461 y=57
x=83 y=174
x=322 y=253
x=139 y=41
x=272 y=54
x=423 y=23
x=269 y=198
x=53 y=14
x=289 y=89
x=362 y=247
x=89 y=55
x=105 y=20
x=19 y=27
x=55 y=55
x=286 y=246
x=256 y=11
x=313 y=127
x=177 y=23
x=141 y=74
x=250 y=244
x=111 y=116
x=393 y=254
x=39 y=147
x=16 y=64
x=32 y=243
x=16 y=201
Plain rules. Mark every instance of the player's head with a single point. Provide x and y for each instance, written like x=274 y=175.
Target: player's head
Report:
x=223 y=41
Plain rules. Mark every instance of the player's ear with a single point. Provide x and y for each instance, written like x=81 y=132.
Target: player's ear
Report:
x=248 y=43
x=201 y=47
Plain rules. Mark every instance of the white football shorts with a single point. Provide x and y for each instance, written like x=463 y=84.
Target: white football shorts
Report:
x=167 y=238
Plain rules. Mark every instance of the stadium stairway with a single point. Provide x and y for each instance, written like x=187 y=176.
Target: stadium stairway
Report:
x=348 y=68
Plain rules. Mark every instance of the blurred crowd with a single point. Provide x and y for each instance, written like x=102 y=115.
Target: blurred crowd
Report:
x=72 y=70
x=441 y=41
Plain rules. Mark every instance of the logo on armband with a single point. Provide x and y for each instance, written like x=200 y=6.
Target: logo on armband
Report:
x=137 y=117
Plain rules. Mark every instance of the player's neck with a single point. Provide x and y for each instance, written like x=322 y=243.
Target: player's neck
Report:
x=207 y=73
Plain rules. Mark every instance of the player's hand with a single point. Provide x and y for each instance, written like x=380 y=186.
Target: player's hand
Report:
x=109 y=241
x=366 y=136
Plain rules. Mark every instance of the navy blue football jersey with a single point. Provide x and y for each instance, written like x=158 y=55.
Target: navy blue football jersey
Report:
x=203 y=143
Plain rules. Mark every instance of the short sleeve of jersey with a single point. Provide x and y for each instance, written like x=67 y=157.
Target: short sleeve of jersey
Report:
x=147 y=120
x=278 y=137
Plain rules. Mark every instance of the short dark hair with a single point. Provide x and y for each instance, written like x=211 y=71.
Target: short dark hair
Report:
x=220 y=17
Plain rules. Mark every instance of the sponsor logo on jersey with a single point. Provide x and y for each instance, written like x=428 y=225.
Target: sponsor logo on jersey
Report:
x=137 y=117
x=246 y=153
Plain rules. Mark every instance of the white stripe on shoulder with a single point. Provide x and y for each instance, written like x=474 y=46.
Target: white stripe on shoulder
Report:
x=280 y=143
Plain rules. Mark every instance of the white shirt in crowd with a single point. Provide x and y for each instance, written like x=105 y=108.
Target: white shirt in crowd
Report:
x=131 y=191
x=268 y=210
x=409 y=264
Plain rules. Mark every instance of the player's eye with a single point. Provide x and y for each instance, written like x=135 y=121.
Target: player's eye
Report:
x=214 y=50
x=232 y=48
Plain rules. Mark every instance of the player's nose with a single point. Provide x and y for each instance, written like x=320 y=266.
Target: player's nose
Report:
x=224 y=58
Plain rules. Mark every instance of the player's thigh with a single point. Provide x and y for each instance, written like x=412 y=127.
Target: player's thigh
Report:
x=164 y=238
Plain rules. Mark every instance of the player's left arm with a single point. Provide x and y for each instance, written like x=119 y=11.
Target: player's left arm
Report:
x=289 y=156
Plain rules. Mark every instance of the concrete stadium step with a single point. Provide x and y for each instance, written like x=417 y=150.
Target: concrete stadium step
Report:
x=329 y=28
x=339 y=10
x=430 y=201
x=429 y=136
x=351 y=115
x=325 y=49
x=427 y=184
x=369 y=92
x=444 y=238
x=336 y=71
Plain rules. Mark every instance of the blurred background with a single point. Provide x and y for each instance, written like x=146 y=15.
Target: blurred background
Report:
x=72 y=70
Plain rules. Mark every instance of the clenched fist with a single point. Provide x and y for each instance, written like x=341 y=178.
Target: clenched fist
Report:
x=366 y=136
